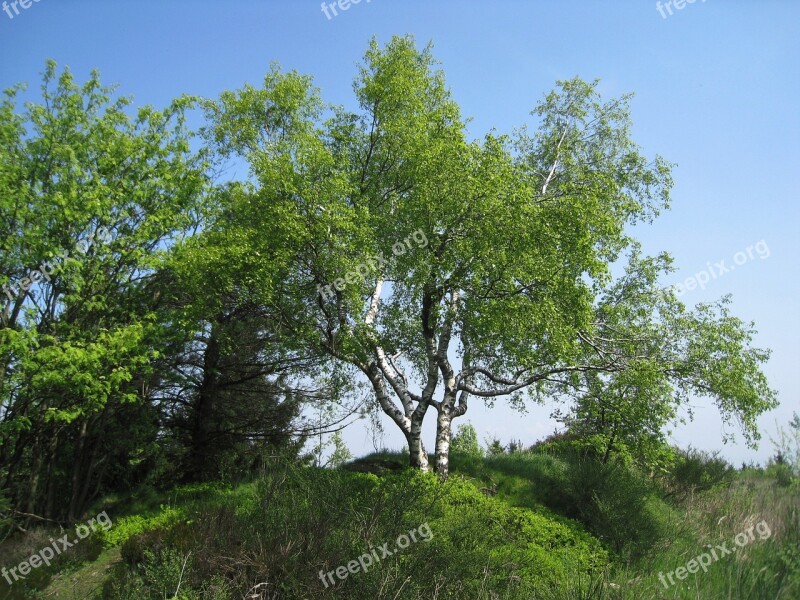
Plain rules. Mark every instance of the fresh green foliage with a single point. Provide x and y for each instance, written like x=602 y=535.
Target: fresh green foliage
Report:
x=487 y=542
x=301 y=520
x=518 y=235
x=465 y=441
x=695 y=470
x=127 y=527
x=120 y=363
x=162 y=327
x=338 y=454
x=494 y=447
x=613 y=501
x=679 y=354
x=90 y=196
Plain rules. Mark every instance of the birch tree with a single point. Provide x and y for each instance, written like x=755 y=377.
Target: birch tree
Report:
x=443 y=270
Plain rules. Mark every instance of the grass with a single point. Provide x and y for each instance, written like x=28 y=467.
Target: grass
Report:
x=513 y=526
x=85 y=583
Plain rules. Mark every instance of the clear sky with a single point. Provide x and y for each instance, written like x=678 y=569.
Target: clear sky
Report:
x=717 y=87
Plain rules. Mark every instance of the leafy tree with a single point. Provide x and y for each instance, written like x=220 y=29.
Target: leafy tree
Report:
x=235 y=381
x=340 y=454
x=440 y=269
x=124 y=359
x=89 y=198
x=465 y=440
x=226 y=397
x=671 y=355
x=494 y=447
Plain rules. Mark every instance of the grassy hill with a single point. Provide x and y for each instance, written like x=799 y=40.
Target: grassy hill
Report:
x=531 y=525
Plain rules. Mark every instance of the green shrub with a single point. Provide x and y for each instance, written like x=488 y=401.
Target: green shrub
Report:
x=160 y=575
x=494 y=447
x=614 y=503
x=696 y=470
x=296 y=522
x=782 y=473
x=125 y=528
x=465 y=441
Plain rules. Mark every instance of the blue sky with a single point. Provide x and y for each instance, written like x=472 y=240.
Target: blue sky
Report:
x=717 y=88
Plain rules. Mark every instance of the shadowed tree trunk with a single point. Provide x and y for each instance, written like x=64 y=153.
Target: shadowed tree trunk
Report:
x=204 y=409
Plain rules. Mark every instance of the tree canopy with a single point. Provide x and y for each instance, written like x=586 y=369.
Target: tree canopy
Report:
x=511 y=291
x=160 y=320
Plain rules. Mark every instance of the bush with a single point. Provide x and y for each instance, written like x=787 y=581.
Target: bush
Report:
x=160 y=575
x=295 y=522
x=125 y=528
x=494 y=447
x=615 y=503
x=695 y=470
x=782 y=473
x=465 y=441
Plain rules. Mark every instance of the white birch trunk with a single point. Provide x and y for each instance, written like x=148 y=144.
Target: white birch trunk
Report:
x=443 y=427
